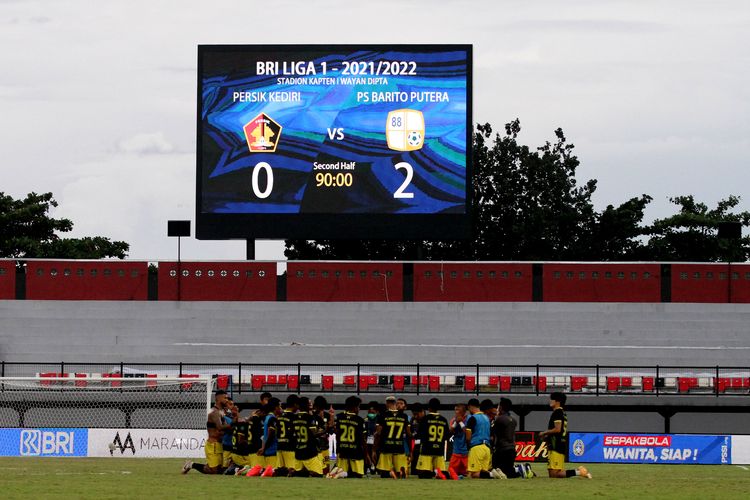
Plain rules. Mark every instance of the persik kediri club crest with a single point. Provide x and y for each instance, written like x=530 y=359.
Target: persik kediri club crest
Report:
x=262 y=134
x=404 y=130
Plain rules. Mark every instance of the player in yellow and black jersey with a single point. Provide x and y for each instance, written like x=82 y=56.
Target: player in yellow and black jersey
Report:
x=556 y=436
x=286 y=464
x=306 y=435
x=392 y=427
x=433 y=434
x=351 y=435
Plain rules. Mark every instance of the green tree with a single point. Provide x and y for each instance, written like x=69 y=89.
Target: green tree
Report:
x=526 y=205
x=28 y=231
x=691 y=233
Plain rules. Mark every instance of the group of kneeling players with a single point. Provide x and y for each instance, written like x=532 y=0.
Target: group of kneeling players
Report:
x=294 y=441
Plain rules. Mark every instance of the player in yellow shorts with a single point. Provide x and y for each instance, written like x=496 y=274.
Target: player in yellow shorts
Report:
x=391 y=429
x=556 y=436
x=216 y=427
x=306 y=434
x=478 y=438
x=433 y=433
x=286 y=463
x=351 y=435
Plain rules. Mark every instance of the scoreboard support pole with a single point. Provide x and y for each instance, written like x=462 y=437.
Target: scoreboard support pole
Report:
x=250 y=250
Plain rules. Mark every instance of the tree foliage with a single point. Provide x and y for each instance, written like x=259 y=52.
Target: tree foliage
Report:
x=691 y=233
x=526 y=205
x=28 y=231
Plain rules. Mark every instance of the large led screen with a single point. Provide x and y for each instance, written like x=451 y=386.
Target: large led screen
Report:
x=333 y=141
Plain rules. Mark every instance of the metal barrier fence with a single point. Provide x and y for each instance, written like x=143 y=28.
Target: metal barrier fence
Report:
x=595 y=380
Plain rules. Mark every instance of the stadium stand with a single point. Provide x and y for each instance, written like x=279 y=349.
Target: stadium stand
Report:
x=86 y=280
x=217 y=281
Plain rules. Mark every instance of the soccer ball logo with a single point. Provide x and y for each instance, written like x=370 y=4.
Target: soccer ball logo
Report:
x=578 y=448
x=414 y=138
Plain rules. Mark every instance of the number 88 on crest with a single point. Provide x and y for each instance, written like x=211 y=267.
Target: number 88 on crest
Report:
x=405 y=130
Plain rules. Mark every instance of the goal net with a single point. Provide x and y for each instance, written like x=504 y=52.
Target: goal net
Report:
x=65 y=404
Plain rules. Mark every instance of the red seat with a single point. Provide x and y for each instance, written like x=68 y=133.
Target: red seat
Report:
x=424 y=380
x=113 y=375
x=541 y=383
x=494 y=381
x=372 y=379
x=188 y=386
x=364 y=382
x=222 y=382
x=282 y=380
x=81 y=383
x=722 y=383
x=271 y=379
x=578 y=383
x=470 y=383
x=398 y=382
x=613 y=383
x=258 y=382
x=350 y=380
x=152 y=383
x=327 y=382
x=648 y=384
x=626 y=382
x=736 y=383
x=505 y=384
x=434 y=383
x=292 y=382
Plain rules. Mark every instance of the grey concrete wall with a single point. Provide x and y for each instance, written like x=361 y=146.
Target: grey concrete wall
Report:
x=441 y=333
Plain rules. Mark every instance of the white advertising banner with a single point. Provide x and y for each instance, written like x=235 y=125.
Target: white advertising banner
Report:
x=741 y=449
x=146 y=443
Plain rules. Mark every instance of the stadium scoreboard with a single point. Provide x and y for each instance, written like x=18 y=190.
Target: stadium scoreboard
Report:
x=334 y=141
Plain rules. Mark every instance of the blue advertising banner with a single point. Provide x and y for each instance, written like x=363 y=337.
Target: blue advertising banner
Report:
x=44 y=442
x=650 y=448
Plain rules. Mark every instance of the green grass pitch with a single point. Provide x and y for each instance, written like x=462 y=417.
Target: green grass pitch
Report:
x=160 y=478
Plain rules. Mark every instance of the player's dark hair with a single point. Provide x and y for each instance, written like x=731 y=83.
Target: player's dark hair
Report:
x=506 y=404
x=219 y=393
x=417 y=407
x=433 y=404
x=266 y=395
x=486 y=404
x=304 y=403
x=352 y=402
x=402 y=399
x=375 y=405
x=473 y=402
x=320 y=403
x=272 y=404
x=292 y=400
x=559 y=397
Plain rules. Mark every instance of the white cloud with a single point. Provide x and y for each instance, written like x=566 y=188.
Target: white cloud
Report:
x=153 y=143
x=99 y=98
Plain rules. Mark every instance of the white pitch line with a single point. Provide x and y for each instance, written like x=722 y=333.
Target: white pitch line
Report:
x=475 y=346
x=743 y=467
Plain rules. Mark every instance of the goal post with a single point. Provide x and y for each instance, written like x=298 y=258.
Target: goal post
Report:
x=51 y=416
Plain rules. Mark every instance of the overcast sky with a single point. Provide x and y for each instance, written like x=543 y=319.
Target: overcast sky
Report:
x=98 y=98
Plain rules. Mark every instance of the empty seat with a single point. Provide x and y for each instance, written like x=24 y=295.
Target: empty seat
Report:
x=398 y=382
x=258 y=382
x=350 y=380
x=540 y=383
x=292 y=382
x=613 y=384
x=505 y=383
x=648 y=384
x=470 y=383
x=327 y=382
x=434 y=383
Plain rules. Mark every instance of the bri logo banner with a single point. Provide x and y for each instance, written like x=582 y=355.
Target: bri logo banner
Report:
x=650 y=448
